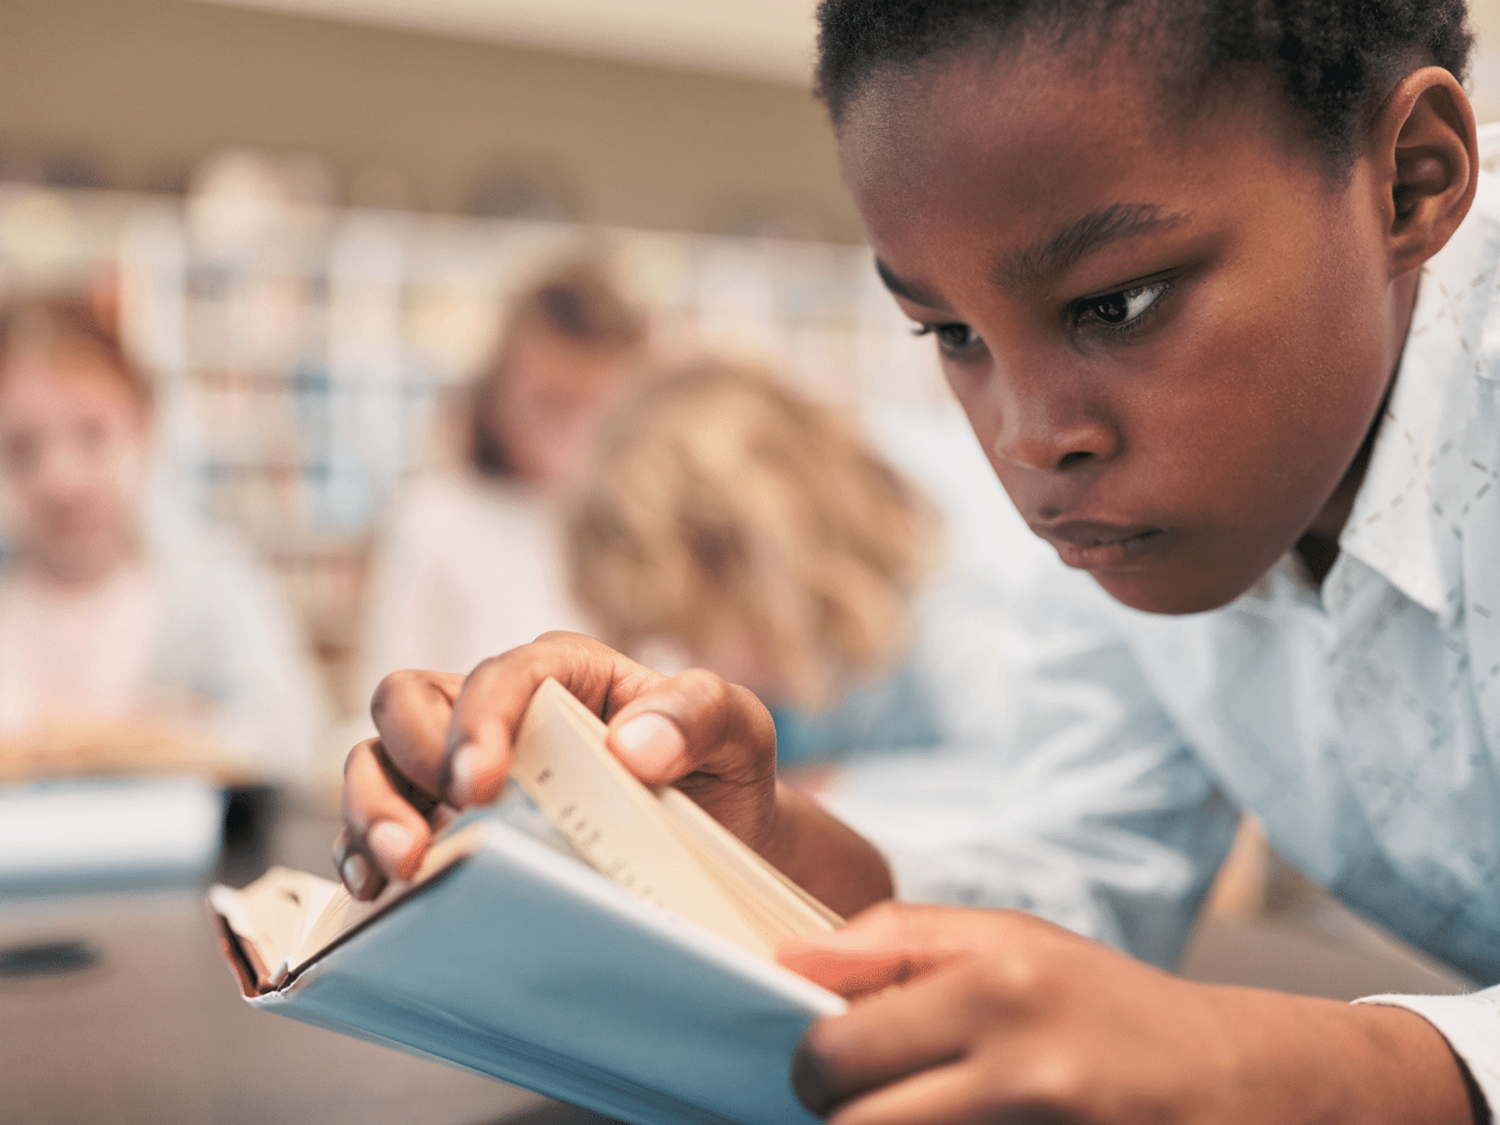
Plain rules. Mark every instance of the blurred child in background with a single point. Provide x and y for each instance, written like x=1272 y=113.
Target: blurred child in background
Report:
x=124 y=646
x=471 y=562
x=727 y=522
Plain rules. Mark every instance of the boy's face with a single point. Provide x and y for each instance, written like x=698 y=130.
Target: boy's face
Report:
x=1170 y=337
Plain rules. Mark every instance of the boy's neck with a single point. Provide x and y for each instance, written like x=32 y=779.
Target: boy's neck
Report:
x=1319 y=545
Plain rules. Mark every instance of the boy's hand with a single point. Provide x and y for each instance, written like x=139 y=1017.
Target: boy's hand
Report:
x=445 y=742
x=995 y=1016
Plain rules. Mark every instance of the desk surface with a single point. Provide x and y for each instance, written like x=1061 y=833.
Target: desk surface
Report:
x=156 y=1032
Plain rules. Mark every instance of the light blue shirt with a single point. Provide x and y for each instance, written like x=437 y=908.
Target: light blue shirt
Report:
x=1359 y=722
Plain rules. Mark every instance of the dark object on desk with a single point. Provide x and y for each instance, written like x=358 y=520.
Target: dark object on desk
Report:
x=47 y=958
x=250 y=814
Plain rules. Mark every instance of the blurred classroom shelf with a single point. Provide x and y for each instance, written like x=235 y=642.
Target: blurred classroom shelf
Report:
x=304 y=352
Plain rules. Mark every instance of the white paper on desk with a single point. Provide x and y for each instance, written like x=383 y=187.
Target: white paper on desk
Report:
x=525 y=965
x=108 y=829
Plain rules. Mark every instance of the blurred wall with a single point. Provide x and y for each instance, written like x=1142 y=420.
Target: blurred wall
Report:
x=1484 y=72
x=133 y=92
x=136 y=91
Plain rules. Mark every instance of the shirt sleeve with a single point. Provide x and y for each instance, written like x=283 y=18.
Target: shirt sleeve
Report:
x=1470 y=1023
x=1061 y=788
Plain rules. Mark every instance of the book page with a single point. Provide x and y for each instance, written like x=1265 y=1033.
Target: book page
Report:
x=271 y=915
x=615 y=822
x=344 y=913
x=756 y=886
x=288 y=919
x=660 y=844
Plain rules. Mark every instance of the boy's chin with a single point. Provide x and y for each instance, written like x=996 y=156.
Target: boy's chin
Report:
x=1171 y=594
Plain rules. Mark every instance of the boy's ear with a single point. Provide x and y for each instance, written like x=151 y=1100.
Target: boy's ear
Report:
x=1424 y=144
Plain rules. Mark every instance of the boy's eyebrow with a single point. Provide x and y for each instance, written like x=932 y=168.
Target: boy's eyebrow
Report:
x=911 y=290
x=1064 y=248
x=1053 y=255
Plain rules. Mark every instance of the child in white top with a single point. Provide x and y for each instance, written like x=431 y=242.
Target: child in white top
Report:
x=121 y=645
x=471 y=560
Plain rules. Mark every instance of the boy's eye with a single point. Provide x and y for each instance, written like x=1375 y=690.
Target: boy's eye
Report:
x=953 y=339
x=1121 y=308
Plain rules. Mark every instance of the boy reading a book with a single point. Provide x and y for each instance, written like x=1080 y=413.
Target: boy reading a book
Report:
x=1216 y=283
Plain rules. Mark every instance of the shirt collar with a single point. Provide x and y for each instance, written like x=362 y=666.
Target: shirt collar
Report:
x=1397 y=527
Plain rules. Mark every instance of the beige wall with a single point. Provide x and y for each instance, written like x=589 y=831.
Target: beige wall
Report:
x=147 y=86
x=1484 y=84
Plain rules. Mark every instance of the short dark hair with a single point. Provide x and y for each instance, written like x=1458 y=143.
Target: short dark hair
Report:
x=1330 y=58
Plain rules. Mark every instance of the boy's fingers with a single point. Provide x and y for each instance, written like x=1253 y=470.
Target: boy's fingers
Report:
x=951 y=1094
x=446 y=736
x=693 y=722
x=854 y=973
x=880 y=1040
x=412 y=711
x=879 y=947
x=361 y=879
x=939 y=1096
x=978 y=987
x=495 y=695
x=887 y=944
x=922 y=936
x=714 y=741
x=384 y=834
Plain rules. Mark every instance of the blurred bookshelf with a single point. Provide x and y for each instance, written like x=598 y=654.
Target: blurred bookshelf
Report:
x=303 y=352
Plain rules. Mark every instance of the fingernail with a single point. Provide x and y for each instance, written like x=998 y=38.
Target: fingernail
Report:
x=461 y=770
x=652 y=741
x=356 y=872
x=390 y=842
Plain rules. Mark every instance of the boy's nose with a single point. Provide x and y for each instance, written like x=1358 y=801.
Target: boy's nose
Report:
x=1039 y=439
x=1045 y=414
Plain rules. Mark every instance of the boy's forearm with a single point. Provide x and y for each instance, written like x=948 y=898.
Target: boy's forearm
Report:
x=1335 y=1062
x=825 y=856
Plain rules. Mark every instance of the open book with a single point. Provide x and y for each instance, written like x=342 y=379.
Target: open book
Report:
x=642 y=988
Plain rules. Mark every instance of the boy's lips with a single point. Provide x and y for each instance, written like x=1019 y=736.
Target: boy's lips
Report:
x=1102 y=546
